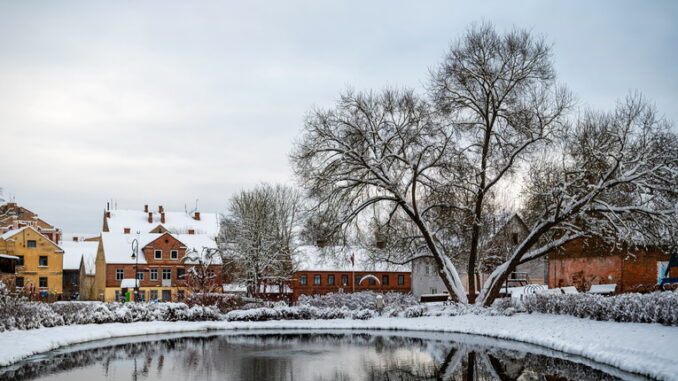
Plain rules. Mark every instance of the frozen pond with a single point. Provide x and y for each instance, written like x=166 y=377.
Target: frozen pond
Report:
x=304 y=355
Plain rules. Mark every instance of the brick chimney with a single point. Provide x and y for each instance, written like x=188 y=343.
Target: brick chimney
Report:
x=196 y=216
x=191 y=231
x=126 y=230
x=108 y=214
x=146 y=208
x=150 y=217
x=161 y=209
x=162 y=216
x=75 y=239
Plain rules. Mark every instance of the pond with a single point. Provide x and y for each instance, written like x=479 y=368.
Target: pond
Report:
x=304 y=355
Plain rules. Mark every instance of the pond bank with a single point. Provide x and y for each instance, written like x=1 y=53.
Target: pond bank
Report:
x=647 y=349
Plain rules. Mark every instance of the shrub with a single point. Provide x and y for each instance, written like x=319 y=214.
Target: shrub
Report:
x=223 y=302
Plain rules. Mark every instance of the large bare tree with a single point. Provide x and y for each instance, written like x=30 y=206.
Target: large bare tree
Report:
x=430 y=170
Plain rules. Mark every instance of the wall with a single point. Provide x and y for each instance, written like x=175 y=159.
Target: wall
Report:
x=324 y=288
x=31 y=271
x=425 y=278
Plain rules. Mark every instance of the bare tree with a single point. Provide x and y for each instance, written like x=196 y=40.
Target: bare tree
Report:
x=429 y=176
x=200 y=277
x=259 y=234
x=384 y=150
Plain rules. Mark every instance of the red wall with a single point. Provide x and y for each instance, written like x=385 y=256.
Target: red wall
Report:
x=324 y=288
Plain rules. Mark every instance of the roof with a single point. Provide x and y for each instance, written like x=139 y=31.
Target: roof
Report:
x=74 y=251
x=175 y=222
x=12 y=233
x=313 y=258
x=118 y=247
x=9 y=256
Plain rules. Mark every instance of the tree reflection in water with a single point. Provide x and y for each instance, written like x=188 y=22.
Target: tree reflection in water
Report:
x=327 y=356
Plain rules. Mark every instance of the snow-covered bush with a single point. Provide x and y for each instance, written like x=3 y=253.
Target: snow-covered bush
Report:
x=223 y=302
x=303 y=312
x=656 y=307
x=364 y=300
x=414 y=311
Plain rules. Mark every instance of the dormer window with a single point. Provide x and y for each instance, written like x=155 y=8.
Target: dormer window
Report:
x=158 y=254
x=174 y=254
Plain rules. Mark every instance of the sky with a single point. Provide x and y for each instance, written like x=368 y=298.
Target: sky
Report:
x=169 y=102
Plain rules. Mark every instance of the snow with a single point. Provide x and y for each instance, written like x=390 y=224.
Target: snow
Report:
x=175 y=222
x=231 y=287
x=240 y=288
x=128 y=283
x=8 y=256
x=74 y=251
x=603 y=288
x=313 y=258
x=11 y=233
x=646 y=349
x=118 y=247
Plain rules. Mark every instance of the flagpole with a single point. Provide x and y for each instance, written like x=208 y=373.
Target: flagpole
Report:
x=353 y=268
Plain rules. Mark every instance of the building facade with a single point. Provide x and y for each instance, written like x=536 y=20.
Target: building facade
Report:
x=76 y=250
x=583 y=263
x=39 y=268
x=323 y=270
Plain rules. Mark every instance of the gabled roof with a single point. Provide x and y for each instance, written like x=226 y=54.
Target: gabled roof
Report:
x=14 y=232
x=313 y=258
x=74 y=251
x=175 y=222
x=118 y=247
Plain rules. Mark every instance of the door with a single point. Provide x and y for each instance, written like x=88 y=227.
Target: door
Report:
x=166 y=295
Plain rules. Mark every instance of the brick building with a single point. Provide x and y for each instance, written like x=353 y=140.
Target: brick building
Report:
x=76 y=250
x=323 y=270
x=13 y=216
x=583 y=263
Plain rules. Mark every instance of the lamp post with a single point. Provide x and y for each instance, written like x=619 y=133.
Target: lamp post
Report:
x=135 y=256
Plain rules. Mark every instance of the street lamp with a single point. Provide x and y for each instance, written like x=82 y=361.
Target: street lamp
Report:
x=135 y=256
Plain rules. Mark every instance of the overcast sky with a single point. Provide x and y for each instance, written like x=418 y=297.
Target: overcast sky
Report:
x=166 y=102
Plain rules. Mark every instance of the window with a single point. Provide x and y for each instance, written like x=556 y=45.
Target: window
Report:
x=427 y=269
x=357 y=280
x=141 y=296
x=154 y=274
x=384 y=280
x=372 y=281
x=401 y=280
x=434 y=290
x=43 y=282
x=316 y=279
x=19 y=282
x=117 y=295
x=174 y=254
x=158 y=254
x=181 y=294
x=514 y=238
x=181 y=273
x=140 y=275
x=330 y=280
x=303 y=280
x=166 y=274
x=21 y=260
x=31 y=244
x=43 y=261
x=119 y=273
x=154 y=294
x=344 y=280
x=210 y=274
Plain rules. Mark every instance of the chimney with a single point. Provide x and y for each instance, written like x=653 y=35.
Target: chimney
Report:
x=126 y=230
x=75 y=239
x=191 y=231
x=196 y=216
x=108 y=214
x=162 y=216
x=146 y=208
x=150 y=216
x=161 y=209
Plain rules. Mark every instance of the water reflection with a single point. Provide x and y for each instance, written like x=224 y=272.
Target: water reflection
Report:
x=309 y=356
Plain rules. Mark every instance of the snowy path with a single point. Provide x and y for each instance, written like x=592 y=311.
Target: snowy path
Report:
x=647 y=349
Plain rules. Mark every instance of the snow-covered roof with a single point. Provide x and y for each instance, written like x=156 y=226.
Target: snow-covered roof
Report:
x=603 y=288
x=11 y=233
x=74 y=251
x=8 y=256
x=241 y=288
x=118 y=247
x=313 y=258
x=128 y=283
x=175 y=222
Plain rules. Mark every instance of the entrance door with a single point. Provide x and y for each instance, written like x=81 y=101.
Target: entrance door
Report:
x=166 y=295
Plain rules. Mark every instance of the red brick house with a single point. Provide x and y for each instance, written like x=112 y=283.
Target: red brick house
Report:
x=323 y=270
x=13 y=216
x=162 y=271
x=582 y=263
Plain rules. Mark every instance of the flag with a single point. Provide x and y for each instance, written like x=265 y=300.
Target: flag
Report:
x=353 y=259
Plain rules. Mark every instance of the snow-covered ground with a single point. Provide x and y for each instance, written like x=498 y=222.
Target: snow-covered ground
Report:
x=647 y=349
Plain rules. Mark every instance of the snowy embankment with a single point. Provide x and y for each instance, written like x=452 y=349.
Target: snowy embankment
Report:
x=647 y=349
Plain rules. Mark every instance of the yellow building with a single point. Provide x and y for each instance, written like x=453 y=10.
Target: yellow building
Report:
x=40 y=266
